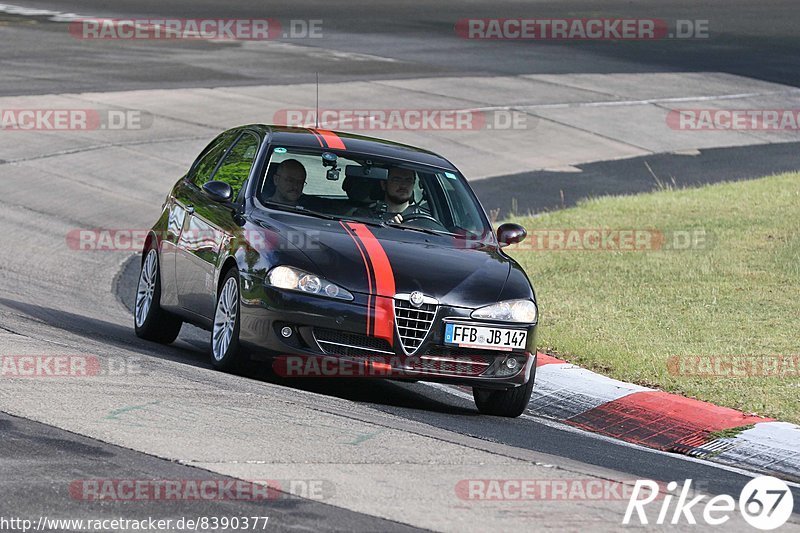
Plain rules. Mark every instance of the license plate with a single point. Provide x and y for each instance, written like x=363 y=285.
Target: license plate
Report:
x=487 y=337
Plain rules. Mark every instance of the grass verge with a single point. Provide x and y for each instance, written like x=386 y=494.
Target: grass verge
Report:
x=709 y=309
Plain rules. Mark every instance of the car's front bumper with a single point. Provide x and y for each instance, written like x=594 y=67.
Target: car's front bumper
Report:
x=333 y=332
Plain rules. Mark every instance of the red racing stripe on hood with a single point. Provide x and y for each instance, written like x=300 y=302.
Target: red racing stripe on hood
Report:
x=383 y=310
x=368 y=267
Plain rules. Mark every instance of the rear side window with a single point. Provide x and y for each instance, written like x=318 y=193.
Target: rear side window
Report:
x=208 y=162
x=235 y=168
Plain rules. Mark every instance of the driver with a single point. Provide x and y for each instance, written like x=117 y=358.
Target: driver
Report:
x=398 y=190
x=290 y=178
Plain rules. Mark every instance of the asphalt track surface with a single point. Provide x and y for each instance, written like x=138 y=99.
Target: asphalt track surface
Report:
x=755 y=39
x=544 y=190
x=366 y=41
x=38 y=460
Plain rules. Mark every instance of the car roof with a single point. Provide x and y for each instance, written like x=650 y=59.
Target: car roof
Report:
x=343 y=142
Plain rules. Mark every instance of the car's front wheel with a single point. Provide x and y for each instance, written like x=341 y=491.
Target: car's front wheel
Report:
x=226 y=352
x=151 y=322
x=510 y=402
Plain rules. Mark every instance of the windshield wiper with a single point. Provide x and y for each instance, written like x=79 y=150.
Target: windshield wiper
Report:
x=367 y=221
x=301 y=210
x=423 y=230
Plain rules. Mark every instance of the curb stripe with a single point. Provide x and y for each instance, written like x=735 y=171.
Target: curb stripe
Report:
x=589 y=401
x=384 y=282
x=661 y=420
x=563 y=391
x=544 y=359
x=770 y=446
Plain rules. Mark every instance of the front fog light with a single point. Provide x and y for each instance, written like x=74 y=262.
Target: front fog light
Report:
x=511 y=363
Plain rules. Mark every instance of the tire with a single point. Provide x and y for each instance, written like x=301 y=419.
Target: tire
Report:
x=226 y=352
x=509 y=403
x=150 y=321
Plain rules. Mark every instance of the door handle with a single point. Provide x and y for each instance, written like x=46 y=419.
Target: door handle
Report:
x=190 y=209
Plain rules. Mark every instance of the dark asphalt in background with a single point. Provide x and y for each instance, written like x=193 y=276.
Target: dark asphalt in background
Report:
x=754 y=39
x=757 y=40
x=544 y=190
x=40 y=462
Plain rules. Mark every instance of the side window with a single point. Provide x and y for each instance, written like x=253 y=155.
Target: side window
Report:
x=235 y=168
x=205 y=167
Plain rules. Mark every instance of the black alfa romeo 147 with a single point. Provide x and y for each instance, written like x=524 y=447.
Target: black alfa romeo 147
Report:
x=298 y=243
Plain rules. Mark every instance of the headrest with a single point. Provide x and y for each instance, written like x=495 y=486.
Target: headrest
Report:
x=362 y=189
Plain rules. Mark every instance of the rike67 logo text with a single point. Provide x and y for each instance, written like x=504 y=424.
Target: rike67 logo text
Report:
x=765 y=503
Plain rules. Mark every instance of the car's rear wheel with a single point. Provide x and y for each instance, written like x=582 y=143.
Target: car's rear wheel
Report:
x=151 y=322
x=226 y=352
x=510 y=402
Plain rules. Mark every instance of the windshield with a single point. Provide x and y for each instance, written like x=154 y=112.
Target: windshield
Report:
x=373 y=190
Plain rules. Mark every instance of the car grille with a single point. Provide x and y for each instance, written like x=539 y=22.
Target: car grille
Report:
x=459 y=361
x=413 y=323
x=336 y=342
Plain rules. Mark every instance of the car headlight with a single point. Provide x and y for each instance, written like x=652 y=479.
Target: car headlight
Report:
x=509 y=311
x=294 y=279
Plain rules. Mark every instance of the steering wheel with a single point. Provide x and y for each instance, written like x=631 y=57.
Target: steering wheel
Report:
x=420 y=216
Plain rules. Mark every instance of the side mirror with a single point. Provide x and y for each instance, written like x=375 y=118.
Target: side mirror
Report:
x=511 y=234
x=219 y=191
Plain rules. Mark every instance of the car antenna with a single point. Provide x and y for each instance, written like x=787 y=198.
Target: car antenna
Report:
x=316 y=115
